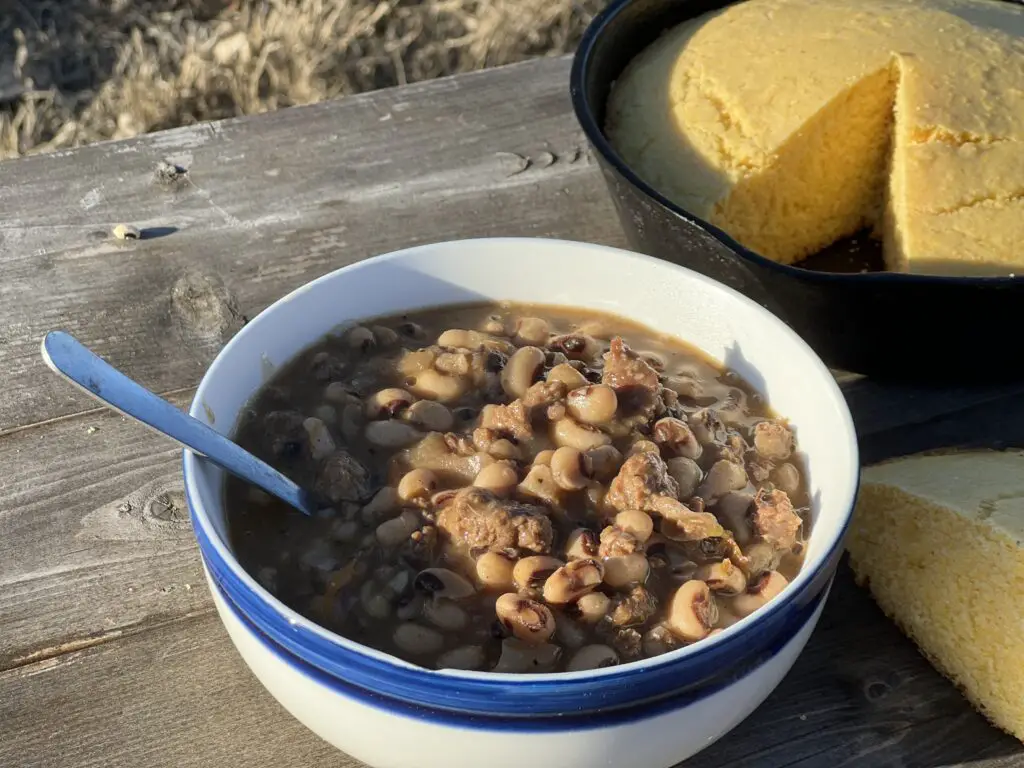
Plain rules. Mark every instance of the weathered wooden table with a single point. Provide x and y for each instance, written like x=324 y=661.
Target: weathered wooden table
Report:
x=110 y=652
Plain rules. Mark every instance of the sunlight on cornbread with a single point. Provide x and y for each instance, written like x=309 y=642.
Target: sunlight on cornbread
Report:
x=938 y=540
x=793 y=123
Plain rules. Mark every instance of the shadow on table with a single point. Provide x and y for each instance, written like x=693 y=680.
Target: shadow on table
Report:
x=860 y=695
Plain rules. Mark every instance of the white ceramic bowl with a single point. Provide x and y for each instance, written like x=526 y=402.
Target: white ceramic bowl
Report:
x=655 y=712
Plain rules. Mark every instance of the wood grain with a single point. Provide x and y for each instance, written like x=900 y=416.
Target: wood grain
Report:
x=178 y=696
x=267 y=205
x=96 y=537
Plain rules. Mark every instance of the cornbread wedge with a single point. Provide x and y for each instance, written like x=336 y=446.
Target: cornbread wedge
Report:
x=939 y=540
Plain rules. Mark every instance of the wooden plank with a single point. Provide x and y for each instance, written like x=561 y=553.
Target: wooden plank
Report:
x=179 y=696
x=96 y=537
x=268 y=204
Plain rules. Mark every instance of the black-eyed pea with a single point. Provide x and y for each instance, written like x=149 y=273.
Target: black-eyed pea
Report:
x=676 y=438
x=573 y=580
x=528 y=620
x=445 y=615
x=576 y=346
x=593 y=607
x=692 y=613
x=384 y=336
x=494 y=571
x=592 y=404
x=732 y=510
x=416 y=361
x=518 y=656
x=352 y=421
x=659 y=640
x=385 y=501
x=393 y=532
x=722 y=577
x=411 y=607
x=582 y=437
x=624 y=570
x=569 y=376
x=500 y=478
x=724 y=476
x=521 y=371
x=495 y=325
x=429 y=415
x=567 y=469
x=582 y=543
x=786 y=477
x=687 y=474
x=435 y=385
x=443 y=583
x=595 y=493
x=685 y=386
x=467 y=657
x=391 y=434
x=532 y=572
x=539 y=483
x=532 y=331
x=654 y=359
x=643 y=446
x=344 y=530
x=505 y=449
x=706 y=426
x=603 y=462
x=321 y=443
x=336 y=393
x=568 y=633
x=417 y=484
x=459 y=338
x=376 y=604
x=387 y=403
x=758 y=593
x=328 y=414
x=543 y=458
x=635 y=522
x=417 y=640
x=361 y=338
x=592 y=657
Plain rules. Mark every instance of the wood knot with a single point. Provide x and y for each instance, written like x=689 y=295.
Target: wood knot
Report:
x=203 y=309
x=876 y=690
x=168 y=507
x=170 y=175
x=156 y=511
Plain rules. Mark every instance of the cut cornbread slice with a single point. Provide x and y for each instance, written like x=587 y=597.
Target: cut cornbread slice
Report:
x=939 y=541
x=793 y=123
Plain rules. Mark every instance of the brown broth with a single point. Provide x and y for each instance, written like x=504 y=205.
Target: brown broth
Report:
x=333 y=569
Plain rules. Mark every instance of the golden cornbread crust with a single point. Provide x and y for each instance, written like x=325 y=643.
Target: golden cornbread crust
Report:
x=939 y=540
x=793 y=123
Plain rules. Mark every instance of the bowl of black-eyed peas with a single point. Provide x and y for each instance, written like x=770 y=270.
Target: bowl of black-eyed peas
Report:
x=564 y=488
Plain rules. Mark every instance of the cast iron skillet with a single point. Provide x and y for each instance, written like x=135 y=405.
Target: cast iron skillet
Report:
x=913 y=328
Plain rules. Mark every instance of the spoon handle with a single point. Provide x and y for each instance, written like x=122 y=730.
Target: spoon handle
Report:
x=72 y=360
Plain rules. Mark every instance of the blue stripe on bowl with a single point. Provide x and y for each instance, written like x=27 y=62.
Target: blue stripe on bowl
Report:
x=707 y=664
x=555 y=722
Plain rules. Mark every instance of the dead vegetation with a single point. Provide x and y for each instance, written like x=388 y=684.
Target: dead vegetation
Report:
x=79 y=71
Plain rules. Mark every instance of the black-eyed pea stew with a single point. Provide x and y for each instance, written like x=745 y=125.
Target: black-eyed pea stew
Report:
x=520 y=489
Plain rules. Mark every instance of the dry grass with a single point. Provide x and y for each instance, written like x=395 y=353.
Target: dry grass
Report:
x=78 y=71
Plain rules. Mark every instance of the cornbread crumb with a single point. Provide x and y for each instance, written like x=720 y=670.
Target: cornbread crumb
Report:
x=939 y=541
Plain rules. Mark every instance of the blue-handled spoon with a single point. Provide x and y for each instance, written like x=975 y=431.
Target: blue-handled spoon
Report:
x=68 y=357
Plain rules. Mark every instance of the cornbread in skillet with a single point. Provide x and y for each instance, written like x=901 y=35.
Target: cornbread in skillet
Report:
x=793 y=123
x=939 y=539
